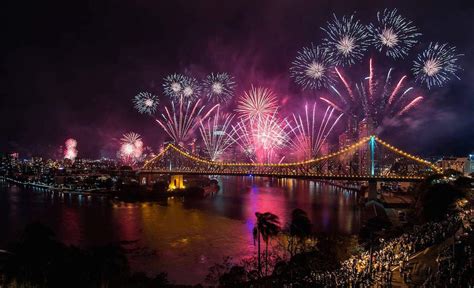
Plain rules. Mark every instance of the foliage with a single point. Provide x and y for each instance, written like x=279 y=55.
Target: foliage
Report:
x=266 y=227
x=299 y=231
x=434 y=198
x=39 y=260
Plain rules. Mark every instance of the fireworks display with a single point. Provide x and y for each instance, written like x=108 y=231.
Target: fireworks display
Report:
x=436 y=65
x=71 y=149
x=257 y=102
x=311 y=131
x=217 y=134
x=313 y=68
x=374 y=99
x=131 y=148
x=145 y=103
x=263 y=135
x=173 y=86
x=393 y=34
x=219 y=87
x=346 y=40
x=182 y=118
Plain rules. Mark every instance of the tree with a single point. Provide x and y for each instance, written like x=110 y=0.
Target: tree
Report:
x=434 y=200
x=234 y=278
x=299 y=230
x=266 y=227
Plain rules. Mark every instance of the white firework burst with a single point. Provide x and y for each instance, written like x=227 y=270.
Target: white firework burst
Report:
x=393 y=34
x=436 y=65
x=346 y=40
x=219 y=87
x=257 y=102
x=145 y=103
x=313 y=68
x=191 y=89
x=173 y=86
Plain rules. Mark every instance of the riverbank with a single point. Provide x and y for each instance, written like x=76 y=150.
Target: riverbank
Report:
x=100 y=191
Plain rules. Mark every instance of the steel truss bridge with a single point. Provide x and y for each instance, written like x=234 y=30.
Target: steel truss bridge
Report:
x=369 y=159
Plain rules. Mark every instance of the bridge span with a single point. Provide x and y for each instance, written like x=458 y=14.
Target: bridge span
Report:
x=370 y=159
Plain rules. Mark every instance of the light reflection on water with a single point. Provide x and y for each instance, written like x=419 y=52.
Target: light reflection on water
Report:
x=182 y=237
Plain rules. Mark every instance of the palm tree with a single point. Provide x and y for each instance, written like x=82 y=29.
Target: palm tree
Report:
x=300 y=228
x=266 y=227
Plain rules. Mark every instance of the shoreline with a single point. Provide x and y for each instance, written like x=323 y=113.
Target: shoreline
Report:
x=99 y=192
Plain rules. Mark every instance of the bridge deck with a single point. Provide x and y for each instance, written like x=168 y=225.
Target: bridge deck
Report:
x=386 y=178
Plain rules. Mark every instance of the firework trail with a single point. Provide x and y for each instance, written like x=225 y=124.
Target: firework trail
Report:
x=436 y=65
x=71 y=149
x=346 y=84
x=145 y=103
x=346 y=39
x=191 y=89
x=393 y=34
x=244 y=138
x=373 y=99
x=311 y=131
x=261 y=138
x=332 y=104
x=371 y=78
x=396 y=89
x=313 y=68
x=173 y=86
x=131 y=148
x=410 y=105
x=257 y=102
x=182 y=118
x=217 y=134
x=270 y=134
x=219 y=87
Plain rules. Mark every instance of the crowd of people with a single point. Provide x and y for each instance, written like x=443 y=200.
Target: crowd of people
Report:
x=377 y=266
x=454 y=264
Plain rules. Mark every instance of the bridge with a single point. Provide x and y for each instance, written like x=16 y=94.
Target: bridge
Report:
x=370 y=159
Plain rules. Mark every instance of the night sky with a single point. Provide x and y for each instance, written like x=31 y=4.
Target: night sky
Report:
x=71 y=68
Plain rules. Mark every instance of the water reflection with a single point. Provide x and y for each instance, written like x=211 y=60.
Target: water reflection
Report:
x=182 y=237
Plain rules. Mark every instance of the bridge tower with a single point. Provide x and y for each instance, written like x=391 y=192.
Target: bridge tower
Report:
x=372 y=193
x=176 y=182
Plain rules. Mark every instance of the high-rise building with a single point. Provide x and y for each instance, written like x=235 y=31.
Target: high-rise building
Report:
x=469 y=168
x=453 y=163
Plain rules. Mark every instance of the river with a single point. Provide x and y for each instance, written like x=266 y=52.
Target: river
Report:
x=181 y=237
